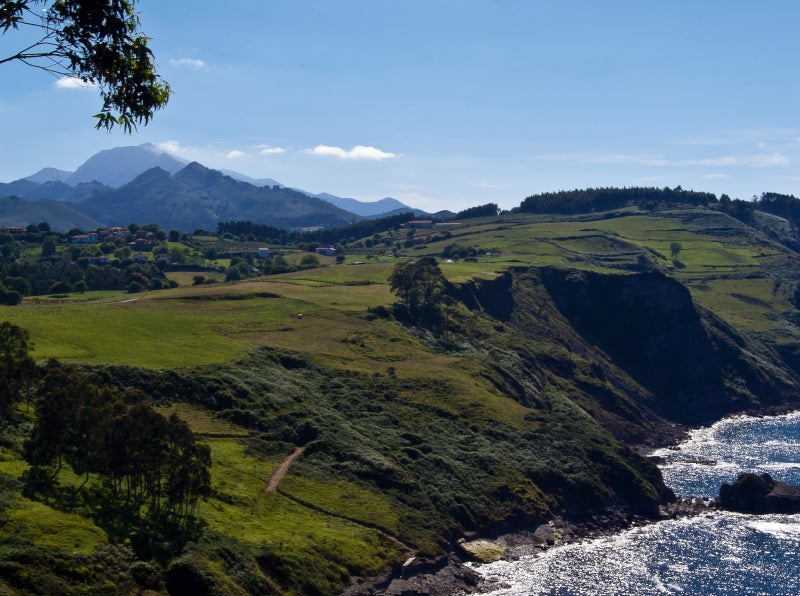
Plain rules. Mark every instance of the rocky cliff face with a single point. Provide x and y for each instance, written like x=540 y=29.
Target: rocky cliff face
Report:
x=634 y=351
x=696 y=366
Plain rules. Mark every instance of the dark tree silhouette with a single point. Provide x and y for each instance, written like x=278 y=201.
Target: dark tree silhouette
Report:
x=96 y=41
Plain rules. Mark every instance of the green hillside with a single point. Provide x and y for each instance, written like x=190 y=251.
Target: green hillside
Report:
x=553 y=345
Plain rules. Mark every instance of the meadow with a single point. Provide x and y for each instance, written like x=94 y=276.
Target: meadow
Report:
x=196 y=325
x=300 y=359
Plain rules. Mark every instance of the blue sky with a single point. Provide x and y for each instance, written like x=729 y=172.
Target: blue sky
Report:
x=450 y=104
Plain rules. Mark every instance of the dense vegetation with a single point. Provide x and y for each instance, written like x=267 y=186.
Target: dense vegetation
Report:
x=144 y=459
x=334 y=235
x=606 y=199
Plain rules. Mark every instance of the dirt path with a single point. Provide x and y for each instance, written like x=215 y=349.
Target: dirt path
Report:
x=281 y=470
x=128 y=300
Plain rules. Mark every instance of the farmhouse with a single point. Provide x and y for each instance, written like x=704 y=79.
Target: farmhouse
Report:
x=262 y=253
x=89 y=238
x=141 y=245
x=328 y=251
x=115 y=232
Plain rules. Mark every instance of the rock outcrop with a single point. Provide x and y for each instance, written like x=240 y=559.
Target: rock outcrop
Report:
x=752 y=493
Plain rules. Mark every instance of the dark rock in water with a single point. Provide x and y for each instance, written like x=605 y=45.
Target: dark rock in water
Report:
x=752 y=493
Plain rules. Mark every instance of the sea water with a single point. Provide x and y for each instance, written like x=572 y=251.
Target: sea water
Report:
x=716 y=553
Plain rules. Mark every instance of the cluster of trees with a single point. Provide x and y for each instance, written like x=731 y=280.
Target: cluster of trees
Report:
x=256 y=232
x=461 y=251
x=59 y=275
x=348 y=233
x=143 y=458
x=487 y=210
x=787 y=206
x=419 y=285
x=361 y=229
x=605 y=199
x=17 y=368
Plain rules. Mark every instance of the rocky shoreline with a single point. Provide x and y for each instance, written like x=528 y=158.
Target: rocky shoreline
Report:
x=449 y=575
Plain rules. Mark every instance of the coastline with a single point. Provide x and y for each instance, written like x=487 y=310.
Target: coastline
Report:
x=451 y=574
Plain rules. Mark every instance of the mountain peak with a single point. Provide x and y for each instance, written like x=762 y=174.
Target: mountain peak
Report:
x=150 y=176
x=117 y=166
x=49 y=175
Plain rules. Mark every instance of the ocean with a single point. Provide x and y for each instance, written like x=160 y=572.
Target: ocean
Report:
x=715 y=553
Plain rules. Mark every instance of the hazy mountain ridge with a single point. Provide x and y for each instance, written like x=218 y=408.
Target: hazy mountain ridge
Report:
x=49 y=175
x=60 y=216
x=100 y=189
x=197 y=197
x=383 y=208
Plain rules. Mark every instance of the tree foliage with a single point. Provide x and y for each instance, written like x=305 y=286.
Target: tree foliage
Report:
x=145 y=458
x=605 y=199
x=487 y=210
x=265 y=233
x=98 y=42
x=419 y=285
x=17 y=368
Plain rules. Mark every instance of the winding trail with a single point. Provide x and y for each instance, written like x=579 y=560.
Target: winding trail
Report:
x=280 y=471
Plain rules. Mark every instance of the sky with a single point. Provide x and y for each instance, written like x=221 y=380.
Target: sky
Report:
x=448 y=104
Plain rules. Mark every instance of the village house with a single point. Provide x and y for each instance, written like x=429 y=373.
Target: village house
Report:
x=111 y=233
x=262 y=253
x=89 y=238
x=15 y=229
x=141 y=245
x=139 y=258
x=328 y=251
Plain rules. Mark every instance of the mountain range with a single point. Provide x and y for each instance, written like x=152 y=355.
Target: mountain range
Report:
x=145 y=184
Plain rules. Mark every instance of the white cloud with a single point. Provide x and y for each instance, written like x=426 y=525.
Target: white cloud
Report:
x=190 y=62
x=357 y=152
x=236 y=154
x=73 y=83
x=269 y=150
x=189 y=153
x=776 y=159
x=172 y=147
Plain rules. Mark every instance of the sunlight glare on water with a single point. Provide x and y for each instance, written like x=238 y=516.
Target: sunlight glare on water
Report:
x=723 y=553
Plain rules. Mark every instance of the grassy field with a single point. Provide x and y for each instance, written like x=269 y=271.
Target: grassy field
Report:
x=383 y=412
x=196 y=325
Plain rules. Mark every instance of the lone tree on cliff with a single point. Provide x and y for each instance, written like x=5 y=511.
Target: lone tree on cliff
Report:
x=96 y=41
x=419 y=285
